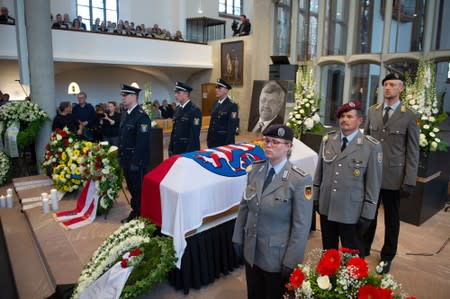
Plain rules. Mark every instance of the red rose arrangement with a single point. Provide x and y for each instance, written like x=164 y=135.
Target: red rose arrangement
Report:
x=340 y=274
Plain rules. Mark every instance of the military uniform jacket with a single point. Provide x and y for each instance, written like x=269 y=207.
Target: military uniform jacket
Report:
x=347 y=184
x=399 y=138
x=222 y=126
x=274 y=225
x=185 y=136
x=134 y=136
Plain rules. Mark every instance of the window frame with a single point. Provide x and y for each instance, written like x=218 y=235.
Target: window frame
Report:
x=105 y=9
x=231 y=15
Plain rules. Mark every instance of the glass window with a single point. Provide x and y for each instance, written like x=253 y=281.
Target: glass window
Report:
x=443 y=23
x=106 y=10
x=405 y=67
x=282 y=38
x=335 y=37
x=408 y=18
x=364 y=84
x=369 y=32
x=442 y=83
x=307 y=29
x=331 y=91
x=230 y=7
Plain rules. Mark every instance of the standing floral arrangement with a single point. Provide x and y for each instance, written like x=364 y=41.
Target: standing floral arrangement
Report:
x=30 y=117
x=421 y=96
x=340 y=274
x=147 y=105
x=305 y=114
x=132 y=244
x=5 y=167
x=71 y=163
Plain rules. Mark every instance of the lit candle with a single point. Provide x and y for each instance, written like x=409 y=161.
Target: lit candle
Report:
x=2 y=201
x=9 y=191
x=9 y=200
x=45 y=207
x=54 y=197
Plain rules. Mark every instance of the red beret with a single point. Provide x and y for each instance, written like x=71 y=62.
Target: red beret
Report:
x=347 y=107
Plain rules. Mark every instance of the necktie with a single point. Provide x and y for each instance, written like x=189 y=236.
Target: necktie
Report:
x=268 y=178
x=386 y=114
x=344 y=143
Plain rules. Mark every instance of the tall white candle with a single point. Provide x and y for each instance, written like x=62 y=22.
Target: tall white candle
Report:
x=9 y=191
x=9 y=200
x=54 y=198
x=2 y=201
x=45 y=207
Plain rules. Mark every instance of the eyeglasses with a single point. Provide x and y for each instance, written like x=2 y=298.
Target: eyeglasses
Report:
x=274 y=142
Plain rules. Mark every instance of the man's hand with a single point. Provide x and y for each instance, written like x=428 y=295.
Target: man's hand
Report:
x=406 y=190
x=286 y=273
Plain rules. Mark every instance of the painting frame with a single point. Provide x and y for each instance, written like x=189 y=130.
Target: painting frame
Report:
x=232 y=62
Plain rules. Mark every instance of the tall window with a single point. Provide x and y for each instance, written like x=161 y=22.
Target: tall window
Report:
x=230 y=7
x=369 y=32
x=336 y=27
x=307 y=29
x=105 y=10
x=408 y=17
x=331 y=89
x=442 y=38
x=365 y=78
x=282 y=38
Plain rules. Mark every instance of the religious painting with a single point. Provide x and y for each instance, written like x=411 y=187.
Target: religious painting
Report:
x=268 y=104
x=232 y=63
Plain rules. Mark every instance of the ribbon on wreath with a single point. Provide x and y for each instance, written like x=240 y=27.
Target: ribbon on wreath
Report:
x=85 y=211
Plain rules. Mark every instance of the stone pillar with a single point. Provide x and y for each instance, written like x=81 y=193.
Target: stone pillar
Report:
x=40 y=61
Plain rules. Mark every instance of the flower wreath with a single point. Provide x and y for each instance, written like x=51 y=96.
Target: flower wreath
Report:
x=133 y=245
x=71 y=163
x=5 y=167
x=30 y=116
x=340 y=274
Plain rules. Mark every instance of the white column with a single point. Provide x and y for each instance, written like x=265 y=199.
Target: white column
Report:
x=40 y=61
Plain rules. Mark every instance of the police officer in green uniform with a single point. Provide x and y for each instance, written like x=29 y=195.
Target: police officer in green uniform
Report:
x=396 y=127
x=134 y=146
x=347 y=181
x=223 y=122
x=274 y=218
x=187 y=122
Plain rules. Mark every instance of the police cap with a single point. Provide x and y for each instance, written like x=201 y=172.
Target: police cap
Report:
x=127 y=89
x=279 y=131
x=347 y=107
x=180 y=86
x=221 y=83
x=393 y=76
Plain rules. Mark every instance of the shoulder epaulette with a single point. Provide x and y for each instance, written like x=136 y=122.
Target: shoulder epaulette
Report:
x=259 y=162
x=299 y=171
x=403 y=108
x=376 y=106
x=371 y=139
x=325 y=137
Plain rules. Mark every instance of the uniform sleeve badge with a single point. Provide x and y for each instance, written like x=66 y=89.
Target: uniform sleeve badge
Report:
x=380 y=157
x=249 y=168
x=307 y=192
x=144 y=128
x=233 y=115
x=402 y=108
x=196 y=121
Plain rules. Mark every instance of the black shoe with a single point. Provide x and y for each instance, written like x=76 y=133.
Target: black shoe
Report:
x=129 y=218
x=383 y=267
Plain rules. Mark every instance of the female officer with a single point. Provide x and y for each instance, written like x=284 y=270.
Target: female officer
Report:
x=274 y=217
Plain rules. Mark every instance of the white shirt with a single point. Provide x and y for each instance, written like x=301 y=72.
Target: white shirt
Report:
x=184 y=105
x=131 y=109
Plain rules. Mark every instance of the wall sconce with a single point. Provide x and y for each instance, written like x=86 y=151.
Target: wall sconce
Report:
x=135 y=85
x=73 y=88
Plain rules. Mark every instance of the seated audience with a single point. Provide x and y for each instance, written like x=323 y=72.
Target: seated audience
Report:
x=66 y=20
x=59 y=23
x=76 y=24
x=82 y=25
x=96 y=26
x=5 y=18
x=139 y=31
x=244 y=28
x=178 y=36
x=166 y=110
x=156 y=114
x=103 y=27
x=65 y=118
x=4 y=99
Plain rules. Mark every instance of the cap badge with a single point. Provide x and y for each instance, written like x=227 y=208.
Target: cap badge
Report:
x=356 y=172
x=281 y=132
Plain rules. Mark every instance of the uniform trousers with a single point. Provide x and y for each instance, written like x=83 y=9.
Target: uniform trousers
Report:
x=262 y=284
x=349 y=235
x=391 y=204
x=134 y=183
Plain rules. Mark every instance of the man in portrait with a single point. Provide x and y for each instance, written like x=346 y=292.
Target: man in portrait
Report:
x=269 y=105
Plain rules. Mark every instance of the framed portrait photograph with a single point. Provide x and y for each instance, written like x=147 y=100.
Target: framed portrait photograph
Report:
x=268 y=104
x=232 y=62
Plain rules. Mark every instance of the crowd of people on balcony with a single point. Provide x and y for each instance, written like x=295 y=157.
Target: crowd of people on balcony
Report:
x=5 y=18
x=122 y=27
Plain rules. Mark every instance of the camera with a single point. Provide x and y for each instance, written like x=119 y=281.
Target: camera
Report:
x=107 y=111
